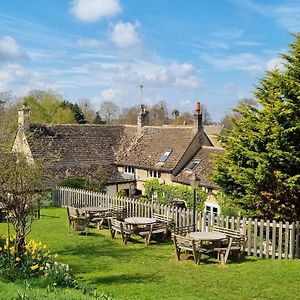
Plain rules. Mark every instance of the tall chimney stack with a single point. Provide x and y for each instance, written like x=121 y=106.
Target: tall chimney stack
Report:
x=198 y=118
x=143 y=117
x=23 y=118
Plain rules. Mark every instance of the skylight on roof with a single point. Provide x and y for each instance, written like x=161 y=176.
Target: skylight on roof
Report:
x=165 y=155
x=193 y=165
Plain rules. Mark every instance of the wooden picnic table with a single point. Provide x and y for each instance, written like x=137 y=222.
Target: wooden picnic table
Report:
x=95 y=209
x=135 y=221
x=207 y=236
x=97 y=214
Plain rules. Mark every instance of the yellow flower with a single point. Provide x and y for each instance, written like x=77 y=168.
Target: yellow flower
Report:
x=41 y=268
x=18 y=258
x=34 y=267
x=12 y=249
x=0 y=248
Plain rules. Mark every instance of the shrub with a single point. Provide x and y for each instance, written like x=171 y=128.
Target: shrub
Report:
x=144 y=199
x=37 y=261
x=167 y=193
x=83 y=183
x=74 y=182
x=122 y=193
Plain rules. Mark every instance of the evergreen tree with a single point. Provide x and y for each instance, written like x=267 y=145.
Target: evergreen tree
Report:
x=260 y=169
x=78 y=114
x=98 y=119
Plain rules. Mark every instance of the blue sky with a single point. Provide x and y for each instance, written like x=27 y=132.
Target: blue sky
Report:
x=181 y=51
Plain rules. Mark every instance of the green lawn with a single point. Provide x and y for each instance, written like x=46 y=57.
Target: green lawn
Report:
x=136 y=271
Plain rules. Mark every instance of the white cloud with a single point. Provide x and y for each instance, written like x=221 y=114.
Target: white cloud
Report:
x=93 y=43
x=288 y=17
x=109 y=95
x=275 y=63
x=248 y=43
x=228 y=89
x=94 y=10
x=228 y=34
x=10 y=50
x=247 y=62
x=20 y=80
x=124 y=35
x=182 y=76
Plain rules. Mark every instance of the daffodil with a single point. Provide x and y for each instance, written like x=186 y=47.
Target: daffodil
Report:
x=34 y=267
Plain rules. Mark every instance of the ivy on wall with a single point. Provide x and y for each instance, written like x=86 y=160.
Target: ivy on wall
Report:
x=167 y=193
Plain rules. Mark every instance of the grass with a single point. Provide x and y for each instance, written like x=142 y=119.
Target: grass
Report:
x=135 y=271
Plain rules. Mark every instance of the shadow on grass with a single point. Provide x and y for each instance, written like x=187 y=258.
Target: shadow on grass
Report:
x=116 y=279
x=95 y=249
x=49 y=216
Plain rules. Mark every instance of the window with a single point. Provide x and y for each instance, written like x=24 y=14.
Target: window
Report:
x=153 y=174
x=193 y=165
x=165 y=155
x=128 y=170
x=211 y=210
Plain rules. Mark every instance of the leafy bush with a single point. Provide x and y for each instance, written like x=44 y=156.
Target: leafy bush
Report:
x=74 y=182
x=144 y=199
x=167 y=193
x=37 y=261
x=58 y=275
x=83 y=183
x=122 y=193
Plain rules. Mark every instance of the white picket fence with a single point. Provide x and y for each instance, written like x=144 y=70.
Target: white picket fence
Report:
x=268 y=239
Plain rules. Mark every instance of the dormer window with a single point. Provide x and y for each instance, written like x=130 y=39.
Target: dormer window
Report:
x=153 y=174
x=193 y=165
x=128 y=170
x=165 y=155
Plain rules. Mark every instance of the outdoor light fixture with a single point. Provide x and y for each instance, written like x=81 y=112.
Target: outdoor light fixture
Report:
x=194 y=183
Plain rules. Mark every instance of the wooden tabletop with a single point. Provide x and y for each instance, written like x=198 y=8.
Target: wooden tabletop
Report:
x=140 y=221
x=95 y=209
x=207 y=236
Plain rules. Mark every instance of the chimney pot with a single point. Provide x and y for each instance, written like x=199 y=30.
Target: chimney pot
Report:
x=198 y=107
x=23 y=117
x=198 y=127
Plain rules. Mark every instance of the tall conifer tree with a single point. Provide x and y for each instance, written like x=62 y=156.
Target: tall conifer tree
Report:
x=260 y=170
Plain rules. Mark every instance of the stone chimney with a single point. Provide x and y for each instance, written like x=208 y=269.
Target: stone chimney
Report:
x=23 y=118
x=198 y=118
x=143 y=117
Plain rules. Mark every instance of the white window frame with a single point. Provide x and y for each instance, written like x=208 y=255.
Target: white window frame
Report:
x=129 y=170
x=196 y=162
x=154 y=174
x=212 y=206
x=165 y=155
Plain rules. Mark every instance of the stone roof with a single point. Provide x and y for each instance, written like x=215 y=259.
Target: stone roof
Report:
x=203 y=169
x=146 y=150
x=74 y=150
x=212 y=132
x=77 y=148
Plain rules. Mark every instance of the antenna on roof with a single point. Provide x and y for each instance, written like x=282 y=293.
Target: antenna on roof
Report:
x=141 y=87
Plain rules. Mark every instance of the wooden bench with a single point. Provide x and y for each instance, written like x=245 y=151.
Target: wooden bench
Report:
x=188 y=244
x=77 y=220
x=154 y=229
x=117 y=211
x=162 y=218
x=234 y=243
x=183 y=230
x=118 y=226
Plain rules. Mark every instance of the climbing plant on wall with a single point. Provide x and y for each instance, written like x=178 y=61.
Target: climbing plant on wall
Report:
x=165 y=193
